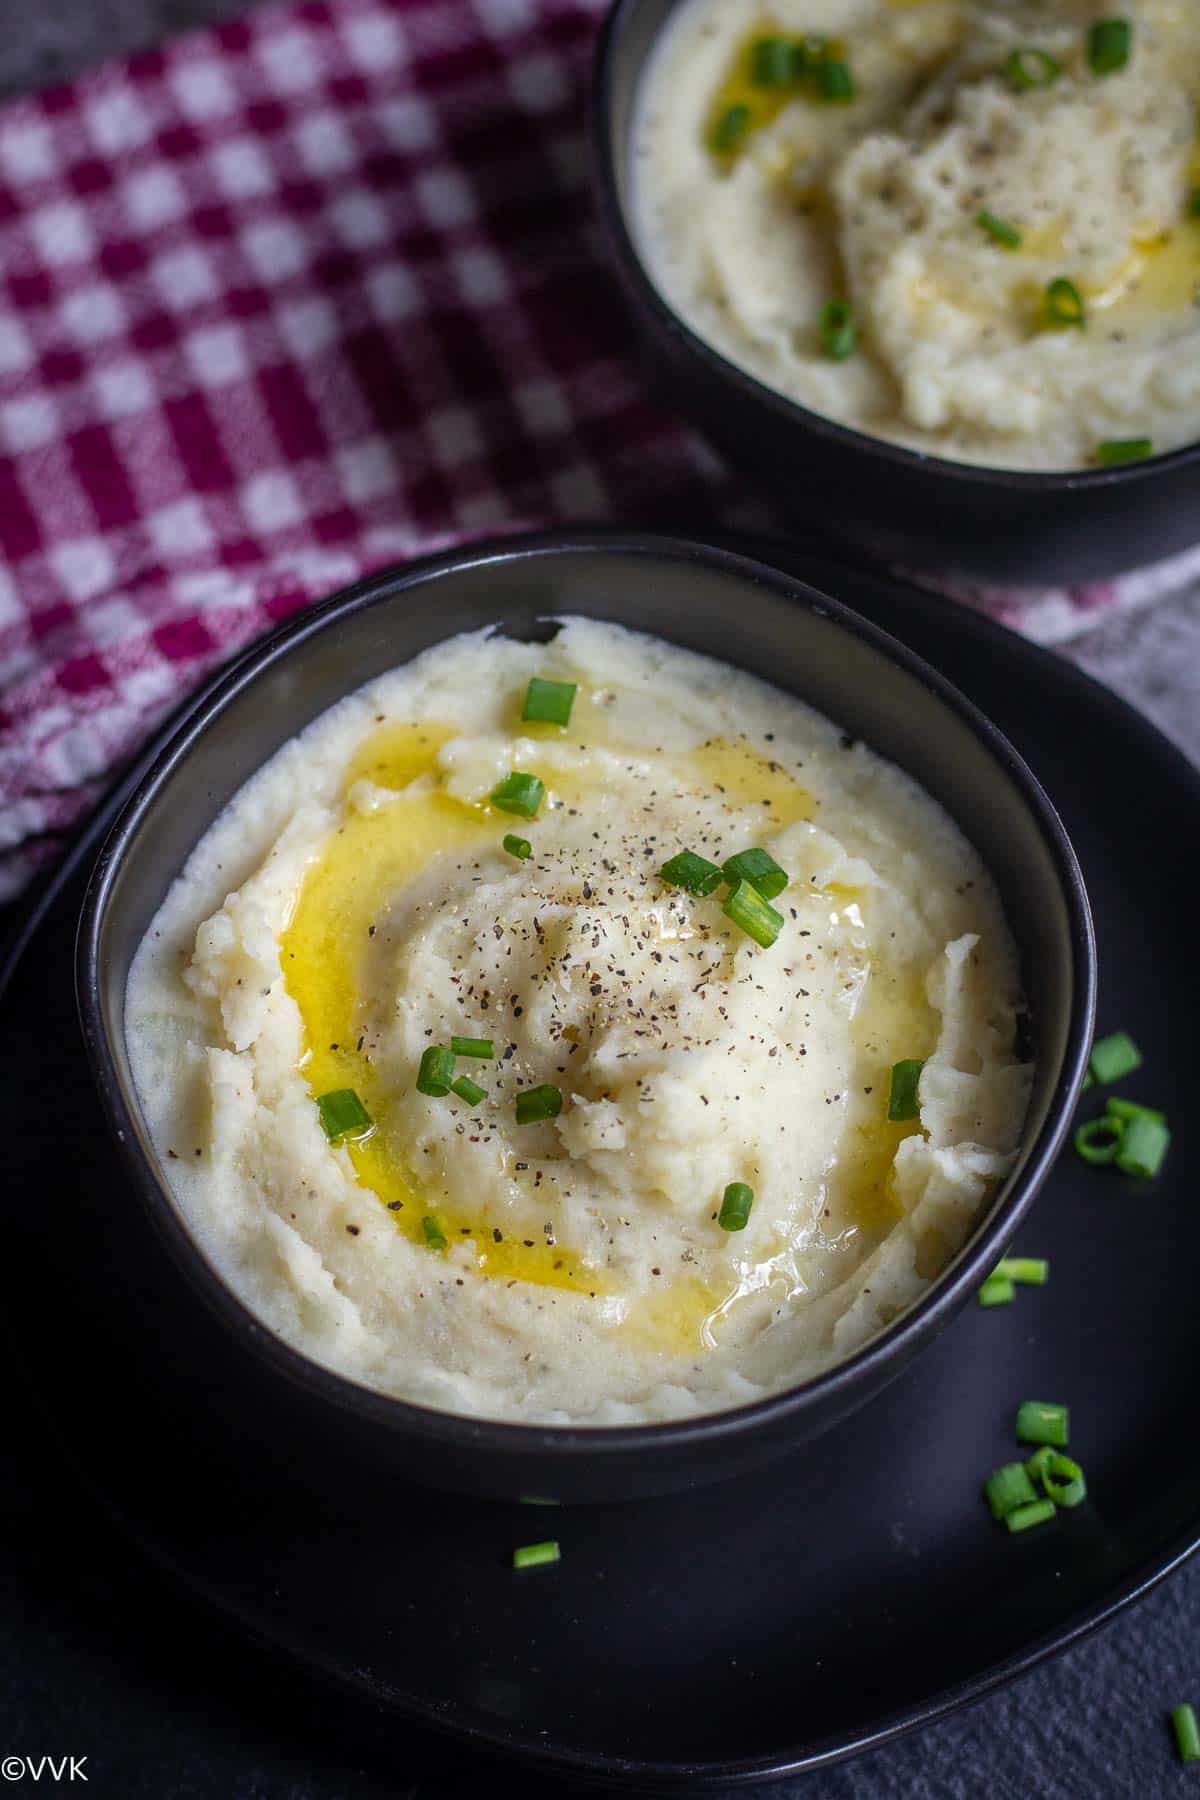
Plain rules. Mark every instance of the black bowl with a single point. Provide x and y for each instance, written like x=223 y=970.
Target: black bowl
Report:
x=923 y=511
x=709 y=600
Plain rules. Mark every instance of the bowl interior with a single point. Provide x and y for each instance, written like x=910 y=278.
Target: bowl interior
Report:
x=706 y=600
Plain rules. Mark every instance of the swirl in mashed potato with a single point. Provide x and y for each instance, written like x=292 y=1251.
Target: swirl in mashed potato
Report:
x=355 y=904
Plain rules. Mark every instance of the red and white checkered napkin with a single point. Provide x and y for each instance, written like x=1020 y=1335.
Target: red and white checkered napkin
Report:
x=283 y=302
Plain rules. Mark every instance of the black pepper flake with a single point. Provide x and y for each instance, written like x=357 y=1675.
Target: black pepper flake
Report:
x=353 y=1230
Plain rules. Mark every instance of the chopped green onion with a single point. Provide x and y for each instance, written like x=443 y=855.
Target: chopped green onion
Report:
x=1129 y=1109
x=839 y=339
x=902 y=1101
x=1194 y=203
x=1030 y=1271
x=536 y=1500
x=735 y=1206
x=1043 y=1422
x=1187 y=1734
x=1115 y=451
x=435 y=1237
x=517 y=846
x=835 y=83
x=1143 y=1147
x=518 y=793
x=1007 y=1488
x=549 y=702
x=1089 y=1081
x=760 y=869
x=1064 y=304
x=343 y=1115
x=1108 y=45
x=1035 y=1514
x=753 y=915
x=1006 y=235
x=996 y=1291
x=695 y=873
x=482 y=1049
x=1031 y=68
x=436 y=1073
x=532 y=1556
x=468 y=1090
x=1113 y=1057
x=1062 y=1479
x=1099 y=1140
x=729 y=130
x=538 y=1103
x=774 y=62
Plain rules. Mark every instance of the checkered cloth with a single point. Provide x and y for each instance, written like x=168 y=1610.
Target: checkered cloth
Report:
x=283 y=302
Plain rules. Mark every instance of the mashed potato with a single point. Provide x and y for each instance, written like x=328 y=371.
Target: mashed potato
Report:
x=986 y=151
x=356 y=905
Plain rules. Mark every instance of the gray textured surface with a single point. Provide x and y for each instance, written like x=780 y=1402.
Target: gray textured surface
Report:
x=1088 y=1724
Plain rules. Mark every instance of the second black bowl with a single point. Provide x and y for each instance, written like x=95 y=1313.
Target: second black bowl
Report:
x=923 y=511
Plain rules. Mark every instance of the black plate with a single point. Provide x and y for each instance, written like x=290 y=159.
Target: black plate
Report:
x=837 y=1597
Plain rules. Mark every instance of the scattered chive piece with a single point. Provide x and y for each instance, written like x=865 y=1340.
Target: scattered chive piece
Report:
x=760 y=869
x=1187 y=1735
x=482 y=1049
x=517 y=846
x=1064 y=304
x=1113 y=1057
x=1031 y=68
x=1099 y=1140
x=1108 y=45
x=729 y=130
x=839 y=339
x=753 y=915
x=538 y=1103
x=436 y=1073
x=435 y=1237
x=735 y=1207
x=1043 y=1422
x=535 y=1500
x=1194 y=203
x=518 y=793
x=835 y=83
x=343 y=1115
x=532 y=1556
x=997 y=1290
x=1006 y=235
x=1030 y=1271
x=468 y=1090
x=1143 y=1146
x=1089 y=1081
x=902 y=1101
x=1115 y=451
x=549 y=702
x=1129 y=1109
x=1062 y=1479
x=695 y=873
x=1007 y=1488
x=1036 y=1513
x=773 y=62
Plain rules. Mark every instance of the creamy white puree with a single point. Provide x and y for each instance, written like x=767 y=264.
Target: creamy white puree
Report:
x=877 y=202
x=354 y=904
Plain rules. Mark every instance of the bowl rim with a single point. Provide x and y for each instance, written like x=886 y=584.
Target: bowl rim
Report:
x=185 y=737
x=638 y=282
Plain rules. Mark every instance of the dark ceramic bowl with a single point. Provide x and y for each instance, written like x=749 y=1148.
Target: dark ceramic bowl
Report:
x=923 y=511
x=708 y=600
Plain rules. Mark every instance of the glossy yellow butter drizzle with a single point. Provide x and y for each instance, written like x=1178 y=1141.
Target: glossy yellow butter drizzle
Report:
x=326 y=953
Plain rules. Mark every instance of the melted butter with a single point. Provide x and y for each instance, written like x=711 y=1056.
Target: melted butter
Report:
x=745 y=776
x=324 y=954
